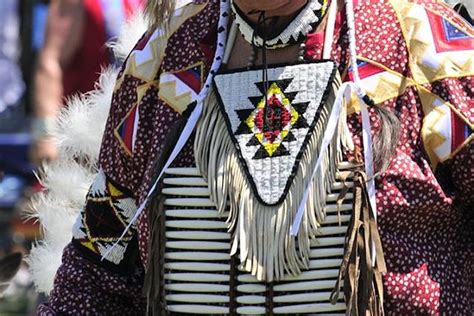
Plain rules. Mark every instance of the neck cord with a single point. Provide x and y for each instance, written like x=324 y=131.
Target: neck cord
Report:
x=262 y=28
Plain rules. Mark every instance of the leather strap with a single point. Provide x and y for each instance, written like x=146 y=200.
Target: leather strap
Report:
x=269 y=299
x=363 y=286
x=233 y=282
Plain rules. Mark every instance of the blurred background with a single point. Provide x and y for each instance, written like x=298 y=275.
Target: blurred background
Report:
x=49 y=50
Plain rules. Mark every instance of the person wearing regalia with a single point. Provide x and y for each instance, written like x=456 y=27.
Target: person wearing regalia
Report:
x=324 y=144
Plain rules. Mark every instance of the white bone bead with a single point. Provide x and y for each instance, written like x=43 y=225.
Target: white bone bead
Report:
x=190 y=191
x=331 y=230
x=198 y=277
x=251 y=299
x=340 y=185
x=183 y=172
x=313 y=275
x=197 y=256
x=186 y=181
x=300 y=298
x=321 y=241
x=198 y=245
x=197 y=266
x=324 y=263
x=326 y=252
x=251 y=310
x=335 y=220
x=197 y=287
x=190 y=202
x=198 y=298
x=251 y=288
x=332 y=208
x=197 y=235
x=197 y=309
x=304 y=286
x=333 y=197
x=196 y=213
x=195 y=224
x=309 y=308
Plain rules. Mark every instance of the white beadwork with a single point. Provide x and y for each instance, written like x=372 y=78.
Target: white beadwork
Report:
x=300 y=26
x=271 y=175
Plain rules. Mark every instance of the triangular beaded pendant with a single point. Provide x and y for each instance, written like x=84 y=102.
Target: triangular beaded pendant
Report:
x=271 y=135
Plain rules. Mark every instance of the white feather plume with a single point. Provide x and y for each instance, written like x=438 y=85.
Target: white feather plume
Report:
x=81 y=123
x=78 y=131
x=134 y=30
x=71 y=177
x=44 y=260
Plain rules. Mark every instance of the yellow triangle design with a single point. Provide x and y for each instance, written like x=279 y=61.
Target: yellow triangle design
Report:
x=168 y=94
x=88 y=245
x=114 y=192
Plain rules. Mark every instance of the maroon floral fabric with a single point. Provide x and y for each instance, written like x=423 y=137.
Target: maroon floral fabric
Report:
x=82 y=287
x=425 y=217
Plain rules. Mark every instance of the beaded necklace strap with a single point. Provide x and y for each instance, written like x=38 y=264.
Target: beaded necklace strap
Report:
x=296 y=31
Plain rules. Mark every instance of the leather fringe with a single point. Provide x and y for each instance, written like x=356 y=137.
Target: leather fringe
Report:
x=154 y=283
x=260 y=233
x=363 y=287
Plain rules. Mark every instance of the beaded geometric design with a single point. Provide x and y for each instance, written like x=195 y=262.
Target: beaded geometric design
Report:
x=107 y=212
x=270 y=123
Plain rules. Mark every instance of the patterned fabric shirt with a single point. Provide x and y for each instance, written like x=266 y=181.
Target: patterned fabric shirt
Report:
x=414 y=57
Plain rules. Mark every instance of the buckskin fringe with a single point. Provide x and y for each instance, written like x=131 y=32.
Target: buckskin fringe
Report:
x=261 y=234
x=153 y=285
x=363 y=287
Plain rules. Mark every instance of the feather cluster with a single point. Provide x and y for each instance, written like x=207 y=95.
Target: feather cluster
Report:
x=78 y=131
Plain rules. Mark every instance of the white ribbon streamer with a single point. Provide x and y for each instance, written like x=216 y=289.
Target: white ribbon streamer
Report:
x=183 y=138
x=192 y=121
x=366 y=131
x=369 y=164
x=344 y=91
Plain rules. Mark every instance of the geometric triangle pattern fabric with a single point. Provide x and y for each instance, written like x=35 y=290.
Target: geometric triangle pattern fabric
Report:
x=144 y=61
x=181 y=88
x=449 y=36
x=270 y=123
x=462 y=133
x=440 y=47
x=126 y=131
x=193 y=76
x=437 y=128
x=107 y=212
x=146 y=56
